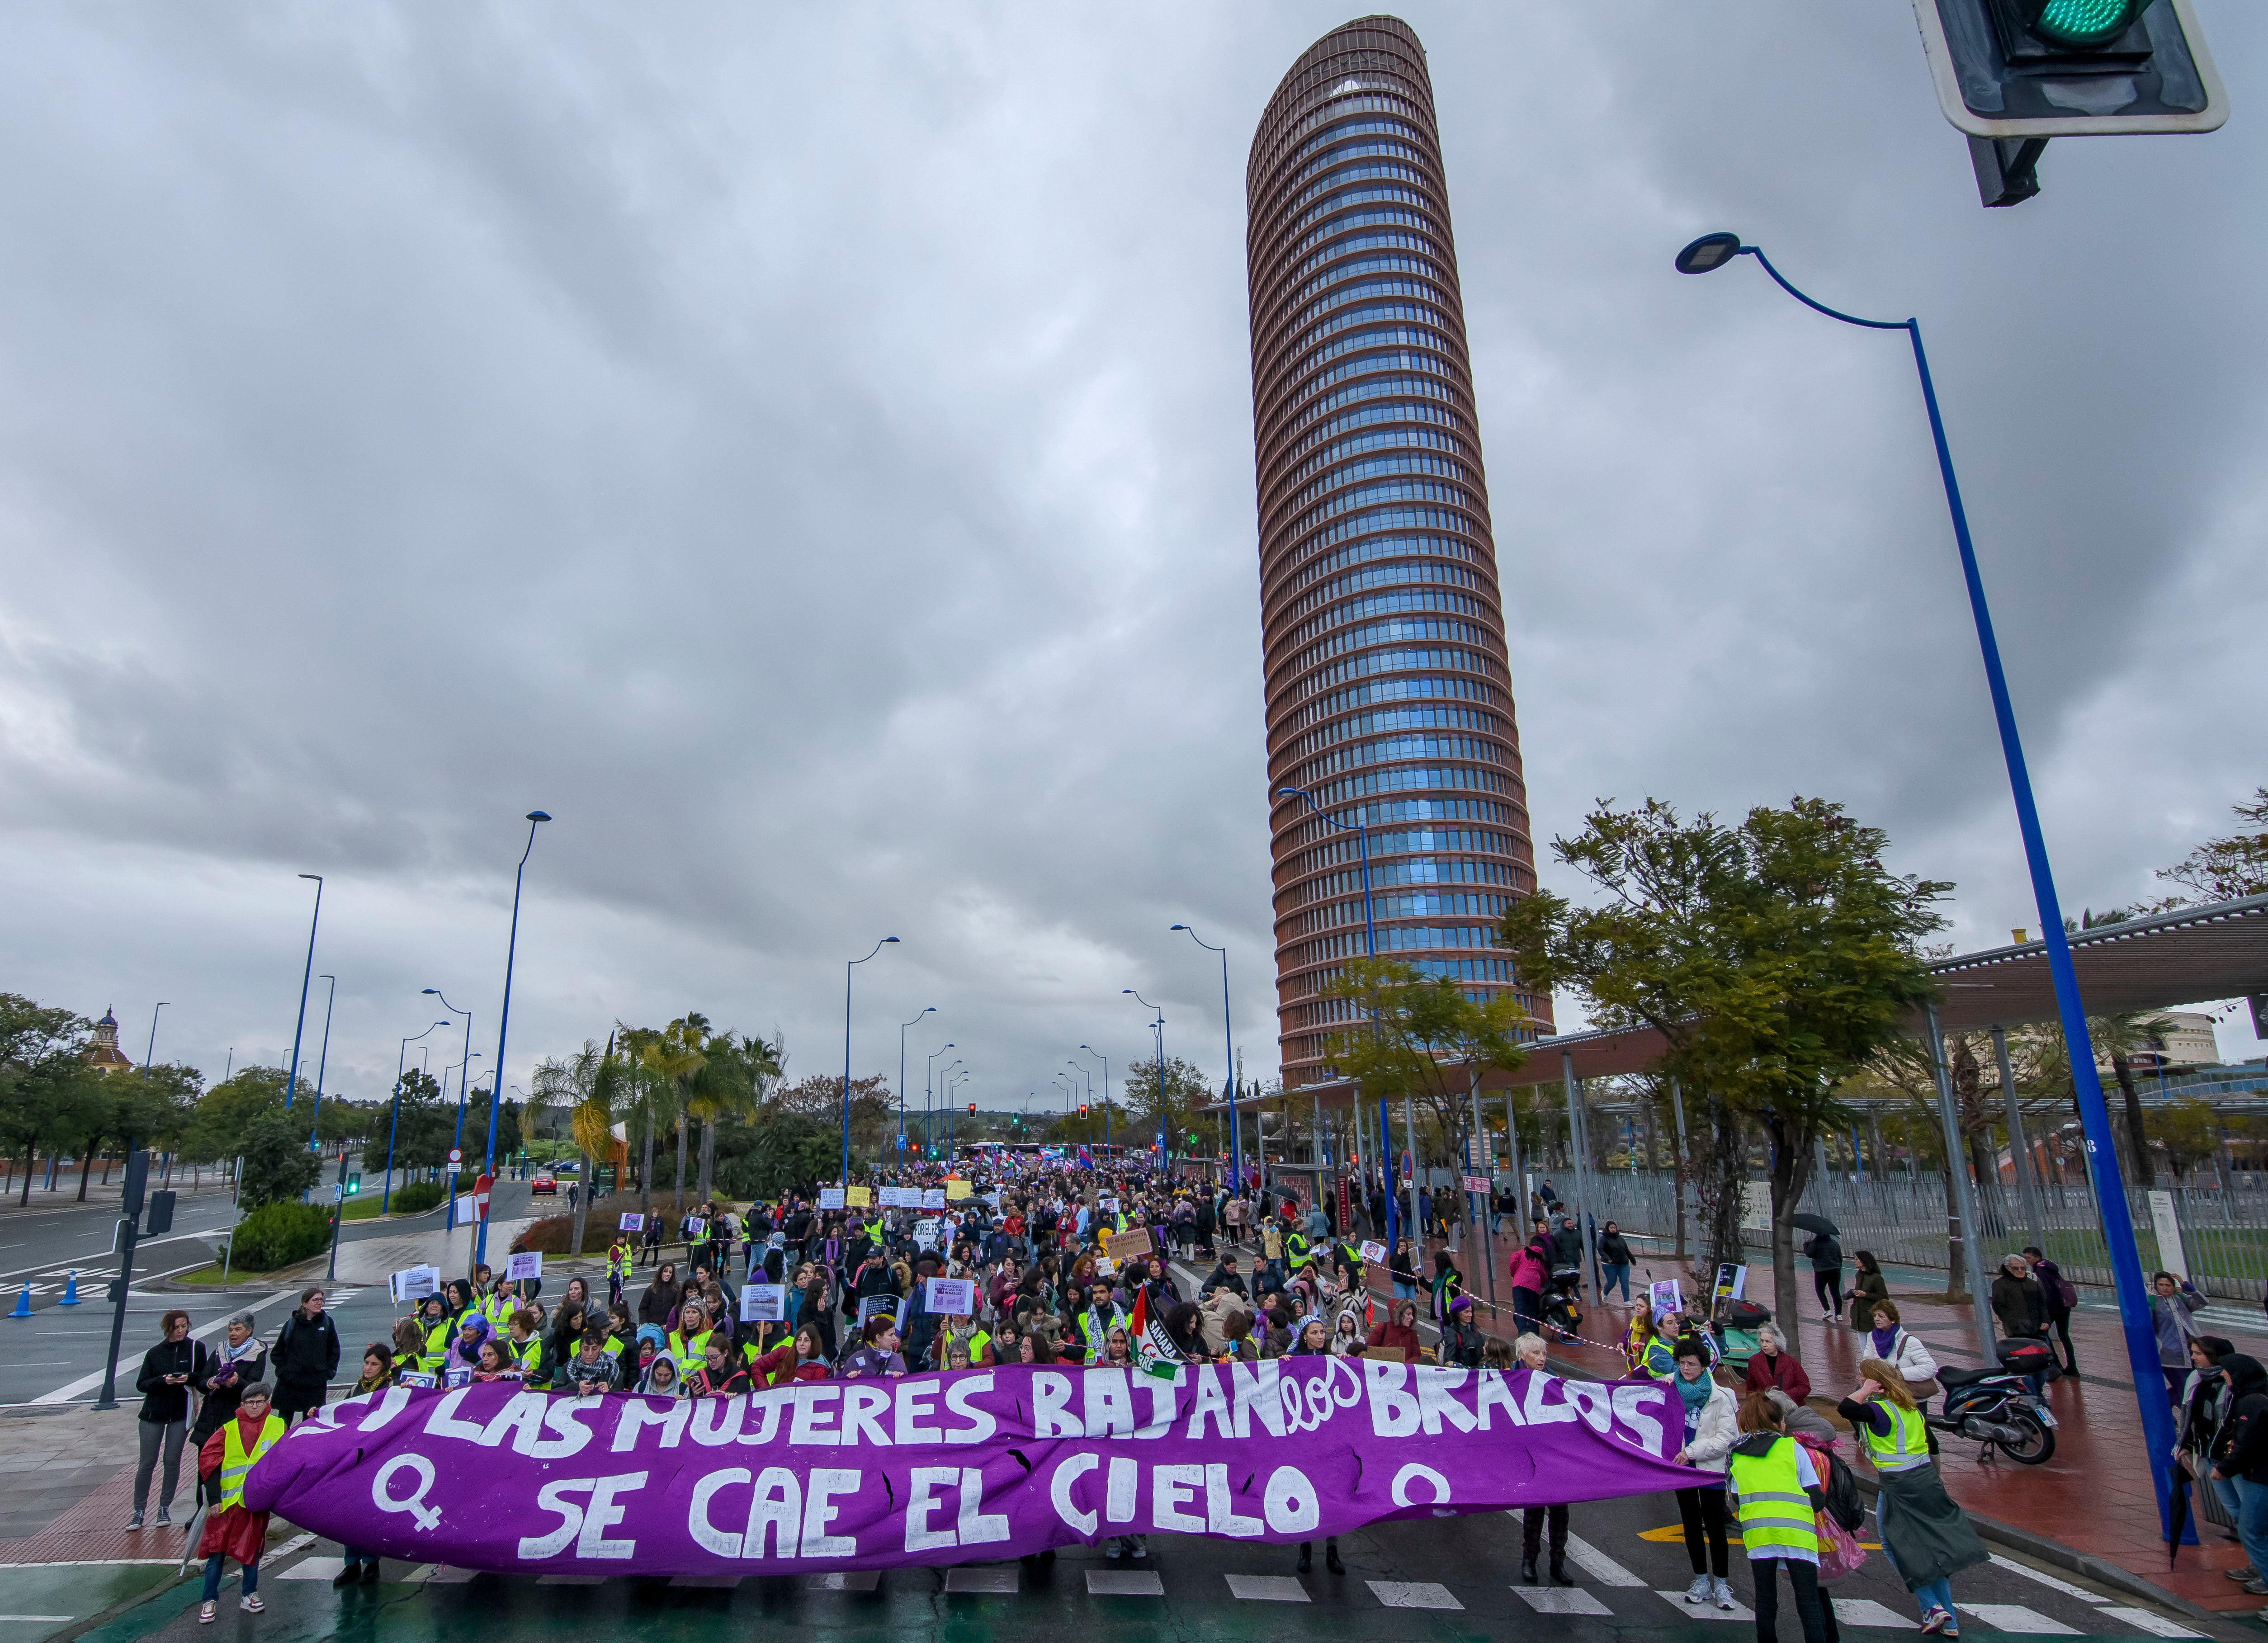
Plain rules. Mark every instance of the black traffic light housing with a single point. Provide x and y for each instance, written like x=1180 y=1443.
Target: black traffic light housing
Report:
x=2010 y=74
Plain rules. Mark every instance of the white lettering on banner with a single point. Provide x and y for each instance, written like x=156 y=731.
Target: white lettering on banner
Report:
x=914 y=1397
x=1254 y=1386
x=777 y=1505
x=981 y=1424
x=716 y=1420
x=1110 y=1404
x=1162 y=1403
x=1593 y=1402
x=1211 y=1402
x=979 y=1528
x=767 y=1403
x=810 y=1423
x=1219 y=1520
x=1291 y=1504
x=723 y=1542
x=530 y=1414
x=602 y=1514
x=1118 y=1495
x=1393 y=1412
x=827 y=1482
x=553 y=1498
x=860 y=1405
x=1171 y=1488
x=1434 y=1403
x=1541 y=1414
x=919 y=1536
x=1059 y=1482
x=414 y=1503
x=444 y=1423
x=1051 y=1416
x=1496 y=1393
x=1630 y=1403
x=638 y=1414
x=1416 y=1473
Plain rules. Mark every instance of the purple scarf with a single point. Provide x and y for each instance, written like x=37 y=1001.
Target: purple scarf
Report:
x=1883 y=1340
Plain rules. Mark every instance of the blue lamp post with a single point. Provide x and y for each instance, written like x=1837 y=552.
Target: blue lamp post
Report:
x=323 y=1064
x=847 y=968
x=534 y=819
x=394 y=1122
x=1159 y=1028
x=1712 y=252
x=1228 y=1054
x=306 y=979
x=902 y=1078
x=1370 y=950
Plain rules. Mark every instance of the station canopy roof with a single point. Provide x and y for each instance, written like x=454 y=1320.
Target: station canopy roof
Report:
x=2190 y=955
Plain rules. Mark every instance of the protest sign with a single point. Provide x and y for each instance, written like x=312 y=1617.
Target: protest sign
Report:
x=925 y=1231
x=1372 y=1250
x=1107 y=1205
x=763 y=1303
x=859 y=1197
x=1661 y=1296
x=933 y=1198
x=900 y=1197
x=989 y=1463
x=830 y=1197
x=632 y=1221
x=1127 y=1245
x=414 y=1284
x=694 y=1227
x=522 y=1265
x=880 y=1305
x=956 y=1187
x=949 y=1297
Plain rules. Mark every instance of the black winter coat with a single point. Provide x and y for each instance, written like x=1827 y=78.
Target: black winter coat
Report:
x=168 y=1404
x=306 y=1354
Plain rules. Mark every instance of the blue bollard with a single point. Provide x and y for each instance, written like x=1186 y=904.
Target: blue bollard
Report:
x=70 y=1290
x=22 y=1303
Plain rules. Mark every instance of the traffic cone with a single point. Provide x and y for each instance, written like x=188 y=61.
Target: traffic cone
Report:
x=22 y=1303
x=70 y=1290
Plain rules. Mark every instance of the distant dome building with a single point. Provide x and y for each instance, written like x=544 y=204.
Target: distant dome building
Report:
x=104 y=1053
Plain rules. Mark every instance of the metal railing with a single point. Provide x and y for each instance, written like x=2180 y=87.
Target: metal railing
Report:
x=1903 y=1219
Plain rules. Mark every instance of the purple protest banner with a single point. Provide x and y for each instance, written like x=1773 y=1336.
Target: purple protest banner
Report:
x=982 y=1465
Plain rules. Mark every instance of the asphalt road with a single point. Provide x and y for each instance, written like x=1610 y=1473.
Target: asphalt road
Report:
x=1445 y=1580
x=56 y=1354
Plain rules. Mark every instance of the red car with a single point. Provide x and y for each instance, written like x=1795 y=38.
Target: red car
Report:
x=545 y=1183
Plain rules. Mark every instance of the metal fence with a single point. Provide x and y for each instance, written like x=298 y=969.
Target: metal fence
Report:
x=2223 y=1235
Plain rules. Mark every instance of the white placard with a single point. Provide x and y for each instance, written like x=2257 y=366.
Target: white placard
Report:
x=1372 y=1250
x=415 y=1283
x=1109 y=1205
x=950 y=1297
x=763 y=1303
x=1662 y=1295
x=830 y=1197
x=933 y=1199
x=523 y=1265
x=633 y=1221
x=694 y=1227
x=925 y=1231
x=2168 y=1228
x=900 y=1197
x=417 y=1378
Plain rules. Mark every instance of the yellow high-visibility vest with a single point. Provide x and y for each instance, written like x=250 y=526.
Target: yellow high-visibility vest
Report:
x=234 y=1463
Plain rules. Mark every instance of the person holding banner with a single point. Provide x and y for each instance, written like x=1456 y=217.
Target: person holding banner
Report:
x=880 y=1355
x=231 y=1530
x=1712 y=1427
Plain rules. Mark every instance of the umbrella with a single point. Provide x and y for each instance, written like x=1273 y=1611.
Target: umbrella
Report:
x=2177 y=1514
x=1816 y=1224
x=196 y=1522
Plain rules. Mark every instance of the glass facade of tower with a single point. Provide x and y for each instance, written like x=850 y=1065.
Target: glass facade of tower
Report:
x=1388 y=686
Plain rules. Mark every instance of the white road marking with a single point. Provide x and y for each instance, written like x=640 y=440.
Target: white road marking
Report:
x=2047 y=1581
x=1738 y=1612
x=313 y=1569
x=1864 y=1611
x=1598 y=1566
x=706 y=1583
x=2016 y=1617
x=446 y=1575
x=2146 y=1619
x=570 y=1580
x=1267 y=1588
x=1124 y=1583
x=1413 y=1595
x=981 y=1580
x=849 y=1580
x=123 y=1366
x=1573 y=1599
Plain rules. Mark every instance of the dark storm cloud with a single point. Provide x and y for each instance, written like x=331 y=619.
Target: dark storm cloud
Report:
x=811 y=456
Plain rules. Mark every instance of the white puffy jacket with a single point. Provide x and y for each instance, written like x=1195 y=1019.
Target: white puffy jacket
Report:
x=1718 y=1430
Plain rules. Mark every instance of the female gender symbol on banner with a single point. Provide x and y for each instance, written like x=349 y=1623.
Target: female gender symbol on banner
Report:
x=428 y=1517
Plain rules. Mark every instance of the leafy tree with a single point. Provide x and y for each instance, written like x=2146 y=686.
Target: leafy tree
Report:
x=592 y=1084
x=1423 y=1038
x=277 y=1166
x=45 y=1082
x=779 y=1151
x=873 y=1111
x=2225 y=869
x=2189 y=1129
x=1147 y=1110
x=214 y=1131
x=1776 y=958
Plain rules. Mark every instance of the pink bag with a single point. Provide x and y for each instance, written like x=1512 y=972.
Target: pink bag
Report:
x=1840 y=1551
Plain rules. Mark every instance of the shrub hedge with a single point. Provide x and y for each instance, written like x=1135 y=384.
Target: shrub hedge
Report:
x=277 y=1234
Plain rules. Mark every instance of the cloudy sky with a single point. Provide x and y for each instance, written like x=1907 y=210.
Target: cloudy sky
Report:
x=809 y=454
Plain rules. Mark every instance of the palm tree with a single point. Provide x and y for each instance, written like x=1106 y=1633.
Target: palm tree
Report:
x=733 y=1076
x=589 y=1084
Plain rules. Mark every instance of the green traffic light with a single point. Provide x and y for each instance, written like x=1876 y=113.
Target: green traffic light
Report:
x=2085 y=22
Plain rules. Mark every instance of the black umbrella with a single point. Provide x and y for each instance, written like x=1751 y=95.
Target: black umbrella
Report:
x=2177 y=1514
x=1816 y=1224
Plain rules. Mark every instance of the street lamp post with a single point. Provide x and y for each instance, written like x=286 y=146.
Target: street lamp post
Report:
x=306 y=979
x=534 y=819
x=1099 y=1056
x=929 y=1093
x=902 y=1080
x=1714 y=251
x=394 y=1124
x=323 y=1063
x=1228 y=1049
x=1157 y=1027
x=943 y=1077
x=847 y=968
x=464 y=1075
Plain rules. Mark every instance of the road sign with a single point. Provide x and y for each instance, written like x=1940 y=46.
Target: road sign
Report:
x=456 y=1155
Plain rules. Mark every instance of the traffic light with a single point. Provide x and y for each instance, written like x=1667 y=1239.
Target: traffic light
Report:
x=354 y=1186
x=972 y=1110
x=1082 y=1110
x=2011 y=74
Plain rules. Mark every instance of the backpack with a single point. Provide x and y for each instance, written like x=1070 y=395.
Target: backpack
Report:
x=1843 y=1504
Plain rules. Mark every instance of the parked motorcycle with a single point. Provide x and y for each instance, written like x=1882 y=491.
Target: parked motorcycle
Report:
x=1997 y=1407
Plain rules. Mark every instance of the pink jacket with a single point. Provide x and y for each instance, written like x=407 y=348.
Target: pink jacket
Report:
x=1527 y=1271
